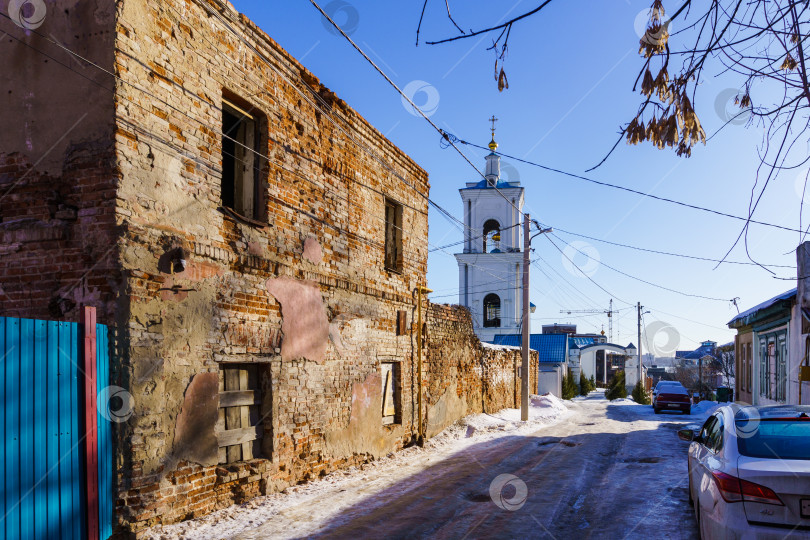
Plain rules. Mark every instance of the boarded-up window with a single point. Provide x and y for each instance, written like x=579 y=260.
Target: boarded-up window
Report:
x=390 y=392
x=402 y=323
x=393 y=235
x=239 y=428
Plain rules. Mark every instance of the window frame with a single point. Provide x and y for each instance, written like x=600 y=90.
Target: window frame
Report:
x=781 y=367
x=255 y=137
x=249 y=378
x=492 y=322
x=708 y=431
x=391 y=372
x=393 y=254
x=488 y=229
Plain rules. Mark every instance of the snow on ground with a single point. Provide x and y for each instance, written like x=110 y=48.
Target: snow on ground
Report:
x=702 y=409
x=544 y=410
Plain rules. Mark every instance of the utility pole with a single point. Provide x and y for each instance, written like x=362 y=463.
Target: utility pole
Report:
x=525 y=324
x=640 y=370
x=524 y=369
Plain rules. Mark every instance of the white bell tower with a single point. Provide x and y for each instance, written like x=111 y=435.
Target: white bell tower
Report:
x=491 y=267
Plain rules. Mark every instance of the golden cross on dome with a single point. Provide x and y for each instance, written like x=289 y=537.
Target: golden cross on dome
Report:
x=493 y=120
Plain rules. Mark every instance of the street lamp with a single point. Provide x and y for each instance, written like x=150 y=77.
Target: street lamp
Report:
x=524 y=349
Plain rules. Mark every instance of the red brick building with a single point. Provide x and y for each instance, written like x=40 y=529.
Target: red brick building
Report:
x=253 y=242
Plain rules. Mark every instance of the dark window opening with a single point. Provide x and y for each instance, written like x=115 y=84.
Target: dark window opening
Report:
x=390 y=375
x=393 y=236
x=492 y=235
x=243 y=161
x=492 y=311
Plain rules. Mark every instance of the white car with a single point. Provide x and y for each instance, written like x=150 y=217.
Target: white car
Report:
x=749 y=472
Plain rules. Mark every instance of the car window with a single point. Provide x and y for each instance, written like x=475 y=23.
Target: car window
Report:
x=706 y=429
x=780 y=438
x=713 y=439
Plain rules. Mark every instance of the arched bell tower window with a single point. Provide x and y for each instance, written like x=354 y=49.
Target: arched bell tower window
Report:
x=492 y=311
x=492 y=235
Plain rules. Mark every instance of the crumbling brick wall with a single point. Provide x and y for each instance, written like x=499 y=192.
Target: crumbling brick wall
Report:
x=134 y=188
x=305 y=296
x=57 y=166
x=463 y=376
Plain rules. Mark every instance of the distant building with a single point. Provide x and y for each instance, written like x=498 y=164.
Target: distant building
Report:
x=553 y=355
x=767 y=351
x=559 y=328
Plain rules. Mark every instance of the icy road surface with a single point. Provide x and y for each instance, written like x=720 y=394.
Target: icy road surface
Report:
x=597 y=470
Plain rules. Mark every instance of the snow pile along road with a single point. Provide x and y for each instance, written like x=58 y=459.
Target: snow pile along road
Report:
x=704 y=407
x=542 y=411
x=345 y=488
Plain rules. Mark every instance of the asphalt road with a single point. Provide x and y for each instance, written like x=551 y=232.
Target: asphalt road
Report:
x=609 y=471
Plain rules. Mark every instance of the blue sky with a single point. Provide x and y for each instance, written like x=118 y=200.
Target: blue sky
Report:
x=571 y=71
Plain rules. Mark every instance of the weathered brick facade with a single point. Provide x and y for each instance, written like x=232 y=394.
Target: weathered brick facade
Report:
x=125 y=213
x=462 y=376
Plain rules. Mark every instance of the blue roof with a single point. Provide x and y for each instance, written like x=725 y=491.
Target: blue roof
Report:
x=749 y=315
x=582 y=341
x=483 y=184
x=550 y=347
x=700 y=352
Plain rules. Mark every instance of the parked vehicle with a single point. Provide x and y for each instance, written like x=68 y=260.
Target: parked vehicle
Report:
x=673 y=398
x=659 y=386
x=749 y=472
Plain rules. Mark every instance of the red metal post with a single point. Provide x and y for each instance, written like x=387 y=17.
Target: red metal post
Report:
x=90 y=420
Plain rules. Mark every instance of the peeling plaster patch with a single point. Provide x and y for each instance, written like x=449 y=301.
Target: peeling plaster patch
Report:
x=350 y=334
x=194 y=437
x=255 y=248
x=312 y=250
x=338 y=324
x=364 y=434
x=449 y=408
x=304 y=322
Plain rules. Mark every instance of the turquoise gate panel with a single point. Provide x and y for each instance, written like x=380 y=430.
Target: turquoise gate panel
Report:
x=105 y=444
x=41 y=458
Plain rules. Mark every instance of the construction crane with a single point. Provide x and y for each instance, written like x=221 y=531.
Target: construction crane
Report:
x=608 y=311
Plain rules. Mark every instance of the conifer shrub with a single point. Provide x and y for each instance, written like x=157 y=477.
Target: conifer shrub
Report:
x=569 y=386
x=586 y=385
x=640 y=394
x=616 y=387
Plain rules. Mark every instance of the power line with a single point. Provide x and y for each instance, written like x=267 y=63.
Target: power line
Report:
x=630 y=190
x=645 y=281
x=416 y=108
x=443 y=211
x=326 y=112
x=681 y=255
x=548 y=237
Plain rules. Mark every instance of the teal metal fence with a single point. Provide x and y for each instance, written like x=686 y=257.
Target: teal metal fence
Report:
x=42 y=461
x=105 y=444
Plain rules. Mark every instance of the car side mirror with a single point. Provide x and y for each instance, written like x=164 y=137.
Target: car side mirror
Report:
x=687 y=435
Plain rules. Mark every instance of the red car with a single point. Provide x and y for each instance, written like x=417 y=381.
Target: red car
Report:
x=673 y=398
